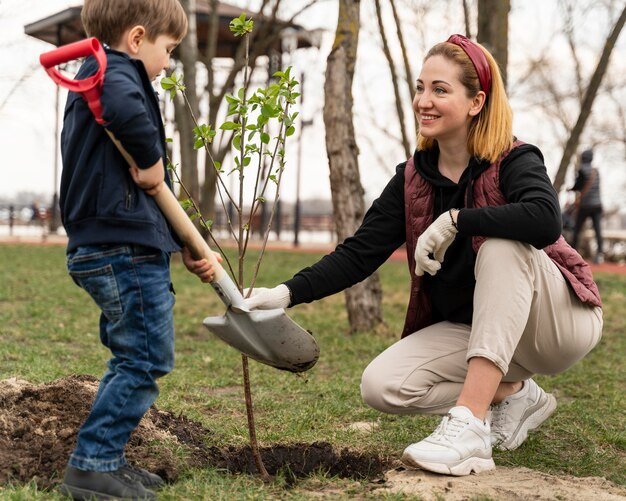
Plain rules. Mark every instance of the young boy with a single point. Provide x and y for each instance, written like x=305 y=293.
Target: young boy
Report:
x=119 y=242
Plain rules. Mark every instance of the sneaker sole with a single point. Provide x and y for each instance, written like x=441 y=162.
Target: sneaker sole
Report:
x=79 y=494
x=459 y=469
x=83 y=494
x=532 y=422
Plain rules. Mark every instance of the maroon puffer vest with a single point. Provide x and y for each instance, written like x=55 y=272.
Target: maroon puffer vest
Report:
x=418 y=208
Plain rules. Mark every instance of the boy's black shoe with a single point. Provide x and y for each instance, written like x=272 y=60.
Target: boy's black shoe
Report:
x=84 y=485
x=147 y=479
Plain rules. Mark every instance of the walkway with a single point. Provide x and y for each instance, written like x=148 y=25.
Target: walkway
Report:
x=399 y=255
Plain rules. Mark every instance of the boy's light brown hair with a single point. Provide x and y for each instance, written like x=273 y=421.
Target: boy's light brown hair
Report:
x=107 y=20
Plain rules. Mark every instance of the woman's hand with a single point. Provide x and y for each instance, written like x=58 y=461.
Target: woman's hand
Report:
x=200 y=267
x=435 y=240
x=268 y=299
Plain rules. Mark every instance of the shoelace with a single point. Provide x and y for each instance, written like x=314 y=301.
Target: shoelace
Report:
x=498 y=415
x=449 y=428
x=498 y=412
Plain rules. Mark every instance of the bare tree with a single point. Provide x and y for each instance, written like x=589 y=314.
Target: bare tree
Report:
x=466 y=18
x=188 y=52
x=493 y=30
x=405 y=55
x=364 y=299
x=588 y=99
x=394 y=81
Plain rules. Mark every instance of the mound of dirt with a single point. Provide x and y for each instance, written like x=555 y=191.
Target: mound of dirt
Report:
x=39 y=423
x=38 y=426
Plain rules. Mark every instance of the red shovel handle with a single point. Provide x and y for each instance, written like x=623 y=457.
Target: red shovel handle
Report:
x=91 y=87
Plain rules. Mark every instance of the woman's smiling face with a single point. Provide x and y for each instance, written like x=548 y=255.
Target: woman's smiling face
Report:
x=442 y=106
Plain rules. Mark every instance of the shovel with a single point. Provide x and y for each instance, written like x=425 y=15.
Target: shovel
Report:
x=268 y=336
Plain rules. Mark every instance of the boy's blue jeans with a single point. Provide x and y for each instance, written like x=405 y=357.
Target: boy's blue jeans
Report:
x=131 y=286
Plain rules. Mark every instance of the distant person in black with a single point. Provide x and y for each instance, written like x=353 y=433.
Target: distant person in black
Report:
x=589 y=202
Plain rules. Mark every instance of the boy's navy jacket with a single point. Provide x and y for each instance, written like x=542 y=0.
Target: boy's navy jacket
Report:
x=100 y=203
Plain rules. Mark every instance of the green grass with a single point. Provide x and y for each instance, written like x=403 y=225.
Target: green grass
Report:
x=49 y=329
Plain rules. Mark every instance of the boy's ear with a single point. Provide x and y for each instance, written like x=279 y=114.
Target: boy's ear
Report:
x=135 y=38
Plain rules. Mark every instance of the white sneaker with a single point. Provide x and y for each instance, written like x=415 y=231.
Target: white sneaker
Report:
x=460 y=444
x=517 y=414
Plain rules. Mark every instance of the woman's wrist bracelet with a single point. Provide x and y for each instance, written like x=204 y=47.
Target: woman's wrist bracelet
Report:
x=452 y=219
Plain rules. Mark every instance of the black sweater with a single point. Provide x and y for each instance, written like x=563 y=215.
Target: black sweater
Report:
x=532 y=215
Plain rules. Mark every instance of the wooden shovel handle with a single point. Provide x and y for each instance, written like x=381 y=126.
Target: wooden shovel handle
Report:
x=178 y=218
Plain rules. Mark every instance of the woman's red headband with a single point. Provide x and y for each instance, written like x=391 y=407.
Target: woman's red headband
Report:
x=477 y=56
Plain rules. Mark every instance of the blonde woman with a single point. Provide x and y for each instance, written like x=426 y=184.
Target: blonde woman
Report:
x=496 y=295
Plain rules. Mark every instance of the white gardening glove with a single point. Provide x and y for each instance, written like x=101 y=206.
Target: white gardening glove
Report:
x=435 y=240
x=268 y=299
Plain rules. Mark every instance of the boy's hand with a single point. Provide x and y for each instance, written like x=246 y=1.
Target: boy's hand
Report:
x=201 y=267
x=151 y=180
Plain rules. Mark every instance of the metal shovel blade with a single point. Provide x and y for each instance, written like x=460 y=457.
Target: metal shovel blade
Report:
x=268 y=336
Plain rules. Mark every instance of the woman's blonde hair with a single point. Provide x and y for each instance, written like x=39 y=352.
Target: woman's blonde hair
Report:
x=107 y=20
x=491 y=131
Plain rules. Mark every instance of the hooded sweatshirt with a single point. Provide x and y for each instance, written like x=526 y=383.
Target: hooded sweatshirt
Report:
x=532 y=216
x=100 y=203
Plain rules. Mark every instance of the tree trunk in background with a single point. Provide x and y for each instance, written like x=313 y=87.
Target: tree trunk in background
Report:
x=363 y=301
x=394 y=81
x=408 y=74
x=188 y=155
x=493 y=30
x=209 y=188
x=590 y=95
x=466 y=17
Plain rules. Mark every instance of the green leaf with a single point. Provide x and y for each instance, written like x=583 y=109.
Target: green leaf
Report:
x=218 y=166
x=269 y=111
x=290 y=130
x=237 y=142
x=246 y=161
x=241 y=26
x=230 y=126
x=167 y=83
x=186 y=203
x=265 y=138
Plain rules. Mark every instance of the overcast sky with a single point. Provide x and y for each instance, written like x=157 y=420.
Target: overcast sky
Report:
x=27 y=96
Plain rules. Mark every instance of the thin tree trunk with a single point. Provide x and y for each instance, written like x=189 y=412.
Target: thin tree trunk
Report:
x=405 y=55
x=363 y=301
x=590 y=95
x=493 y=30
x=188 y=55
x=394 y=81
x=466 y=17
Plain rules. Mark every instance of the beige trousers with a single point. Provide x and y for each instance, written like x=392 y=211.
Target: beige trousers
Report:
x=527 y=320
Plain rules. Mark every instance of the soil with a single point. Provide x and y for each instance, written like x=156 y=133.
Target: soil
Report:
x=38 y=426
